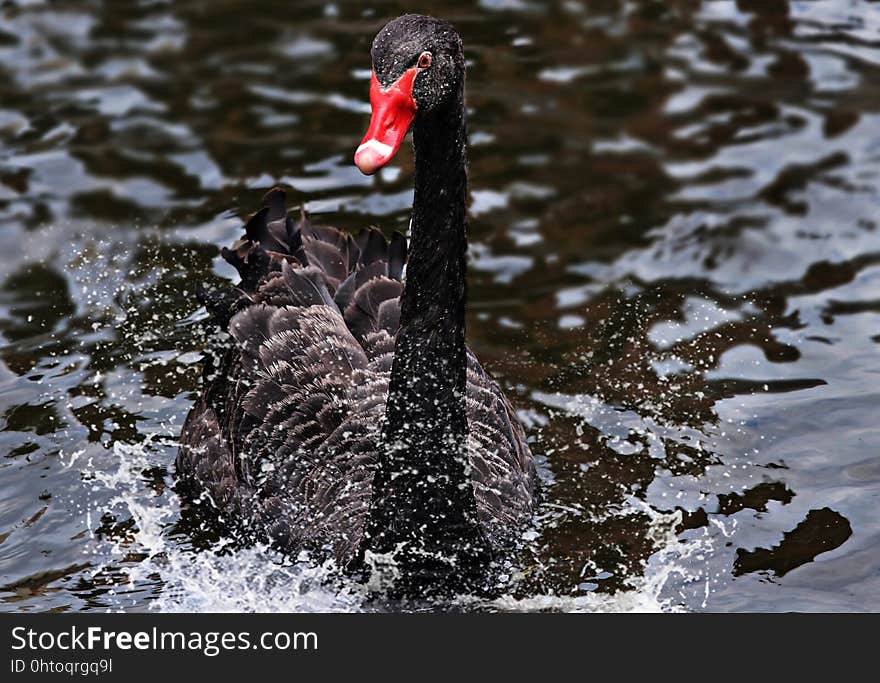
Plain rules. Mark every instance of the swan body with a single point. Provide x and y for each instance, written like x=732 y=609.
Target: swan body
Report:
x=341 y=412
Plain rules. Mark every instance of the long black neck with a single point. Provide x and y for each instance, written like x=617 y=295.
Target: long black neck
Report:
x=422 y=494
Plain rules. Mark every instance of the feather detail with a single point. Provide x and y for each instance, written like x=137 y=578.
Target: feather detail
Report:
x=285 y=436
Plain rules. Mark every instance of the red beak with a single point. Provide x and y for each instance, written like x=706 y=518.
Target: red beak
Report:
x=393 y=109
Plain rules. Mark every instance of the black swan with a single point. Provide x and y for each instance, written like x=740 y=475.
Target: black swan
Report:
x=342 y=413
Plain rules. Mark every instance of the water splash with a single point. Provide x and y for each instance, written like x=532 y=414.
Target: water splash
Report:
x=182 y=579
x=222 y=579
x=674 y=565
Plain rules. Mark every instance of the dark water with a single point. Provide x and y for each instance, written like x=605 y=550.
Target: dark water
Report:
x=675 y=274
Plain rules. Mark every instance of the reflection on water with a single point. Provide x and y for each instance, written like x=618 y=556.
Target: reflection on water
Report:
x=675 y=273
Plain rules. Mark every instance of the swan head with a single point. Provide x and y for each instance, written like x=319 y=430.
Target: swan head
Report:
x=418 y=67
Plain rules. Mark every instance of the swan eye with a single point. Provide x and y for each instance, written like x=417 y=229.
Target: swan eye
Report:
x=425 y=60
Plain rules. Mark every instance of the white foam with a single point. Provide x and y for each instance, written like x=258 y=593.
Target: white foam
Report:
x=218 y=580
x=178 y=578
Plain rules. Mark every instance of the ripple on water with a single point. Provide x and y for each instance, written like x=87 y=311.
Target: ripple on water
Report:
x=675 y=266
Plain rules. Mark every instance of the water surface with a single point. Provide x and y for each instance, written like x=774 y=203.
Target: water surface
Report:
x=675 y=274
